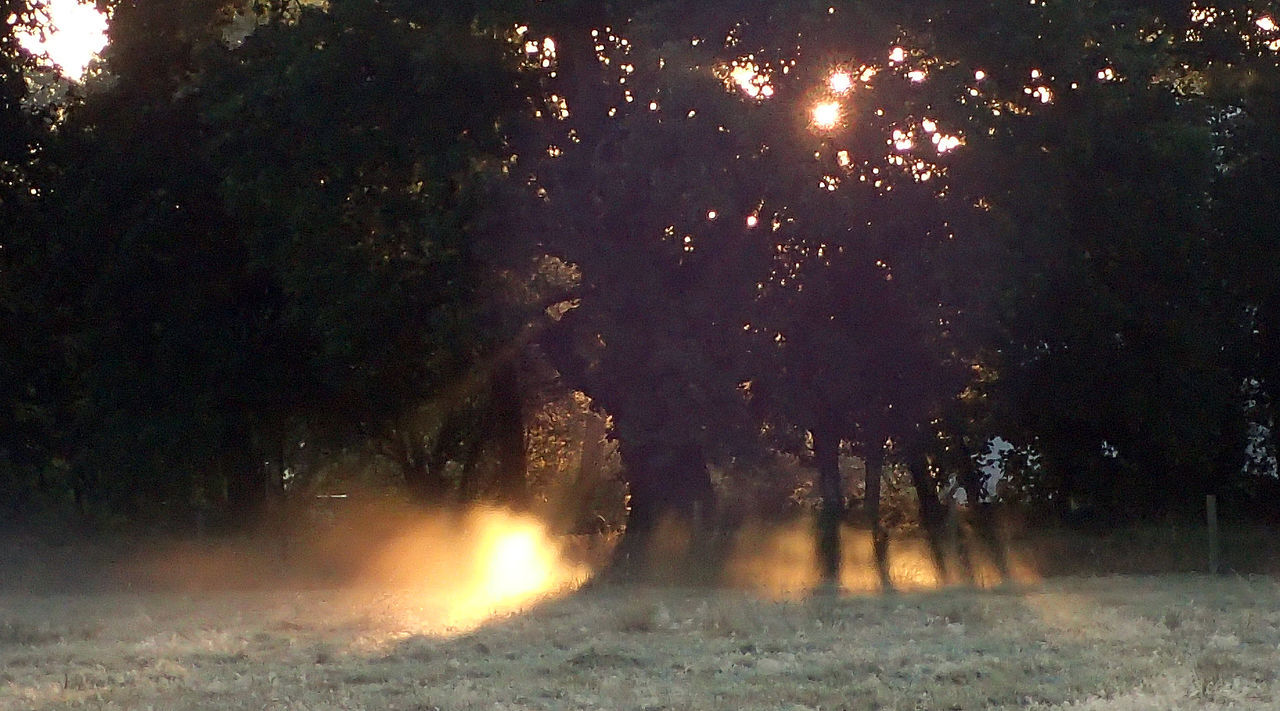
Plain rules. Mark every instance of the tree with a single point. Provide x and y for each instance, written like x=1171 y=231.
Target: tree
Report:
x=863 y=302
x=635 y=205
x=1113 y=358
x=140 y=276
x=263 y=238
x=704 y=206
x=1062 y=190
x=1246 y=92
x=24 y=347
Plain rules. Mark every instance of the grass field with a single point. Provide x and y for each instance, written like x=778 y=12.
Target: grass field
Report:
x=457 y=634
x=1102 y=643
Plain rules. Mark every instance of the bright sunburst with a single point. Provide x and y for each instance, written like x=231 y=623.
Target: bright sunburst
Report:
x=840 y=82
x=826 y=115
x=74 y=33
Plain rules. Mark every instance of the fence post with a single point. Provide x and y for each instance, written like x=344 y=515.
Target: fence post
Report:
x=1211 y=515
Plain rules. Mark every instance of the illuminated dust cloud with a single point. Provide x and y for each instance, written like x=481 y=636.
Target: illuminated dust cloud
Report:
x=781 y=562
x=430 y=572
x=442 y=573
x=456 y=571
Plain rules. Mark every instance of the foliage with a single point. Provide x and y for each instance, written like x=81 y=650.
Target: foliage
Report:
x=233 y=261
x=1114 y=359
x=26 y=381
x=405 y=227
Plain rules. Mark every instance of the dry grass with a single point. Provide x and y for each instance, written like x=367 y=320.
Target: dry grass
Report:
x=477 y=611
x=1082 y=643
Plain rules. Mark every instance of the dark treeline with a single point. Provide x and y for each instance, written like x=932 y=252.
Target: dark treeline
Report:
x=262 y=236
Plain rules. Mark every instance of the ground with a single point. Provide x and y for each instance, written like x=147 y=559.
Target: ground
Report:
x=1119 y=642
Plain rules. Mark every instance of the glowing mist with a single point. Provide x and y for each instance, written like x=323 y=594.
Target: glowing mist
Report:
x=456 y=571
x=780 y=562
x=408 y=571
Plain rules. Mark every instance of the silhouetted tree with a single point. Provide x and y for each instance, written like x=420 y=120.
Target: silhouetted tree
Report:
x=1112 y=358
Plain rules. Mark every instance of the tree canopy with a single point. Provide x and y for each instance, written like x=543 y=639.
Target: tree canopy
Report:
x=739 y=230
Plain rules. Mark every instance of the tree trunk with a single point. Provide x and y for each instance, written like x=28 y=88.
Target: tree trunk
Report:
x=591 y=453
x=974 y=485
x=671 y=482
x=932 y=513
x=276 y=522
x=574 y=496
x=826 y=450
x=879 y=537
x=506 y=411
x=644 y=511
x=497 y=438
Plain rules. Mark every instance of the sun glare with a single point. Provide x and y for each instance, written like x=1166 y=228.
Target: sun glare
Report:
x=74 y=34
x=826 y=115
x=518 y=565
x=463 y=569
x=840 y=82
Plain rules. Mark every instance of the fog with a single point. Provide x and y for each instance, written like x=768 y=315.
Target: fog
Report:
x=452 y=570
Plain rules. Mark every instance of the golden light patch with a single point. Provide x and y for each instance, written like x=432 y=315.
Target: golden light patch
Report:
x=826 y=115
x=781 y=562
x=429 y=572
x=460 y=570
x=519 y=562
x=840 y=82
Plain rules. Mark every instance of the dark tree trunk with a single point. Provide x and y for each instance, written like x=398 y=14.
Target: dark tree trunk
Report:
x=80 y=497
x=506 y=408
x=932 y=513
x=497 y=438
x=974 y=484
x=826 y=451
x=276 y=524
x=645 y=510
x=591 y=452
x=664 y=483
x=244 y=490
x=471 y=485
x=879 y=537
